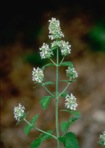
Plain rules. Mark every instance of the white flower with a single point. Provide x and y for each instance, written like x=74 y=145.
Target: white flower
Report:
x=71 y=102
x=46 y=52
x=54 y=29
x=19 y=112
x=37 y=75
x=102 y=138
x=71 y=72
x=64 y=46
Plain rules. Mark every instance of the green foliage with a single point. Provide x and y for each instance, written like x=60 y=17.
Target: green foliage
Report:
x=101 y=143
x=64 y=94
x=67 y=63
x=36 y=143
x=33 y=59
x=65 y=125
x=47 y=65
x=97 y=37
x=45 y=101
x=34 y=119
x=28 y=128
x=69 y=140
x=48 y=83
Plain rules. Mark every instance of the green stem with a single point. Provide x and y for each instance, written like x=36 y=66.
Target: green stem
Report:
x=46 y=133
x=62 y=60
x=48 y=91
x=40 y=129
x=53 y=62
x=27 y=122
x=64 y=89
x=57 y=101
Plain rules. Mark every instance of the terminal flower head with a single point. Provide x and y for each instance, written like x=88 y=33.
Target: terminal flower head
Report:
x=71 y=102
x=37 y=75
x=71 y=72
x=54 y=29
x=102 y=138
x=19 y=112
x=46 y=52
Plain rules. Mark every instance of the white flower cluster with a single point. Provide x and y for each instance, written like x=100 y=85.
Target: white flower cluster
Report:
x=102 y=137
x=71 y=102
x=54 y=29
x=46 y=52
x=19 y=112
x=71 y=72
x=64 y=46
x=37 y=75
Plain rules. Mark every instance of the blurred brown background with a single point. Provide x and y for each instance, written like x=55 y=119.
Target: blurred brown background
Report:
x=23 y=29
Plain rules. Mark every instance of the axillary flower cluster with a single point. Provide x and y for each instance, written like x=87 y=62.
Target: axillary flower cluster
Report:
x=19 y=112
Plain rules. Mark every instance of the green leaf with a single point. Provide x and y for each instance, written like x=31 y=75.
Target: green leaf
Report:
x=49 y=64
x=69 y=140
x=27 y=129
x=65 y=125
x=68 y=81
x=36 y=143
x=73 y=119
x=45 y=101
x=76 y=113
x=47 y=83
x=68 y=63
x=64 y=94
x=34 y=119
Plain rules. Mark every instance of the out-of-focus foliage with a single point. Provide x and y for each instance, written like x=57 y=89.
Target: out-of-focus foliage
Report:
x=97 y=37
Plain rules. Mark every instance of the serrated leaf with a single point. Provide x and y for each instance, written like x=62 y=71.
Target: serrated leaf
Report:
x=27 y=129
x=36 y=143
x=45 y=101
x=65 y=125
x=34 y=119
x=68 y=63
x=69 y=140
x=49 y=64
x=48 y=83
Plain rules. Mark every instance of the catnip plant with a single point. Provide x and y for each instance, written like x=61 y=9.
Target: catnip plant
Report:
x=60 y=49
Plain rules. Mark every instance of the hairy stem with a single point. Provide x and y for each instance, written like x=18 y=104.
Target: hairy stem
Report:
x=57 y=101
